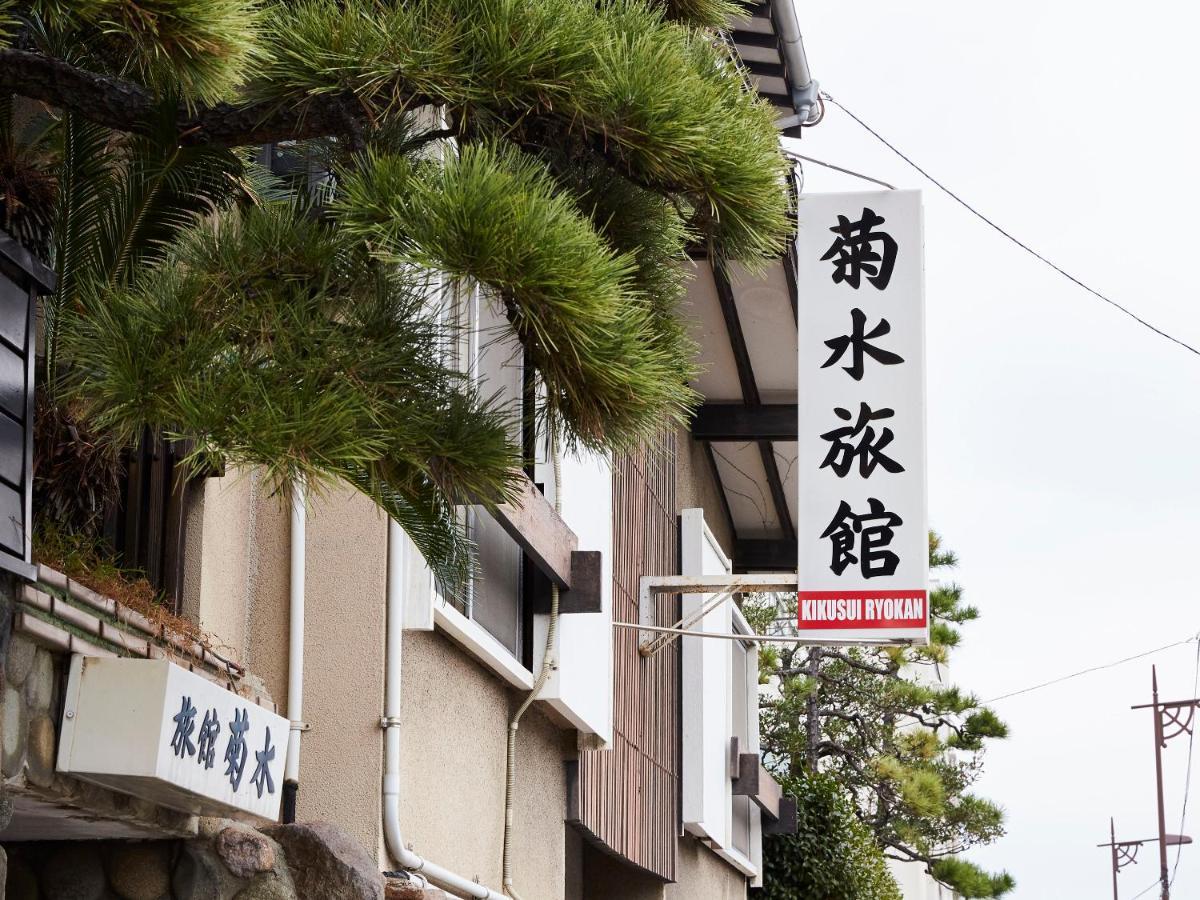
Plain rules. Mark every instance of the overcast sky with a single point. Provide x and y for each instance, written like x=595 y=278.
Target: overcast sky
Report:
x=1063 y=436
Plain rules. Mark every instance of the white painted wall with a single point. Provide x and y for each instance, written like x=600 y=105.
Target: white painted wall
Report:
x=916 y=884
x=581 y=688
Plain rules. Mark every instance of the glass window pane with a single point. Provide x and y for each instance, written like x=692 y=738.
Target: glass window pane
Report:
x=741 y=730
x=496 y=594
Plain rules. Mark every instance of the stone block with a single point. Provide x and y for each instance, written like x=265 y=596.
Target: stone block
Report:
x=52 y=578
x=14 y=721
x=40 y=751
x=326 y=863
x=245 y=852
x=200 y=874
x=39 y=686
x=140 y=871
x=74 y=871
x=268 y=887
x=6 y=811
x=19 y=663
x=400 y=889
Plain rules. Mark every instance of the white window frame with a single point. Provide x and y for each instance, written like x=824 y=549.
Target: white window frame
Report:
x=707 y=707
x=750 y=866
x=478 y=641
x=580 y=688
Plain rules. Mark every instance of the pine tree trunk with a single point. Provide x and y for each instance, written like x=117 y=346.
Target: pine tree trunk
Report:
x=813 y=716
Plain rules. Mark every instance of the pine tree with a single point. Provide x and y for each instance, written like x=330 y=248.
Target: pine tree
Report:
x=564 y=155
x=903 y=746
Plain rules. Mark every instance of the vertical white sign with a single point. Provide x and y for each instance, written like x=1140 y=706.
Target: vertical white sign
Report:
x=863 y=545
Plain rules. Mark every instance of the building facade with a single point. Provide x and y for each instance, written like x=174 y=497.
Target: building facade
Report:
x=334 y=724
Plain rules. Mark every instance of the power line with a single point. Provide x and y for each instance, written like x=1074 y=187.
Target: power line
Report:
x=967 y=206
x=1187 y=781
x=1044 y=684
x=1157 y=884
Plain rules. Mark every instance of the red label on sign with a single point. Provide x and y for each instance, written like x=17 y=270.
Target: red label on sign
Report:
x=863 y=609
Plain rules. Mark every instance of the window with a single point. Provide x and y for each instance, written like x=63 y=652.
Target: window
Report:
x=740 y=699
x=484 y=347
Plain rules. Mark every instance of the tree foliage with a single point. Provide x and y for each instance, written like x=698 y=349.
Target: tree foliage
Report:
x=275 y=341
x=971 y=881
x=831 y=856
x=906 y=747
x=562 y=155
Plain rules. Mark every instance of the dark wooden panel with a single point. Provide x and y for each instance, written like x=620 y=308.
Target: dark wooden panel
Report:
x=740 y=422
x=747 y=781
x=765 y=555
x=628 y=797
x=146 y=529
x=23 y=278
x=585 y=594
x=546 y=539
x=767 y=793
x=786 y=823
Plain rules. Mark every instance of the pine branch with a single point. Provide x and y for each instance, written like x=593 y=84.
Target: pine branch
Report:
x=124 y=105
x=857 y=664
x=843 y=715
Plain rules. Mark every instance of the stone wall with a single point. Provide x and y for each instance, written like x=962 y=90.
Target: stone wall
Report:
x=40 y=802
x=227 y=860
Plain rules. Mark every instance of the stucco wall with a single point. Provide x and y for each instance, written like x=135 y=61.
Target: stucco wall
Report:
x=341 y=762
x=238 y=589
x=236 y=571
x=455 y=721
x=216 y=561
x=606 y=877
x=455 y=712
x=701 y=874
x=695 y=487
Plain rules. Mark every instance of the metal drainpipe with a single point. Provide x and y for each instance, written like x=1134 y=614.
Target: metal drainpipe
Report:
x=549 y=664
x=295 y=700
x=804 y=86
x=423 y=869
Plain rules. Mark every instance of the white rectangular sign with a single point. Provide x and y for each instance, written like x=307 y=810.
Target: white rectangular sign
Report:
x=155 y=730
x=863 y=545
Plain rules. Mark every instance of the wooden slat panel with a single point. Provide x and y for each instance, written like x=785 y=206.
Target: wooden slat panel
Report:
x=629 y=794
x=146 y=530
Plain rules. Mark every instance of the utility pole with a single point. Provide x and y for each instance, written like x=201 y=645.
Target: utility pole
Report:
x=1174 y=716
x=1116 y=864
x=1125 y=853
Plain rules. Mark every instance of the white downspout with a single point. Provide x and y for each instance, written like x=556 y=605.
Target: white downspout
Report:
x=804 y=86
x=295 y=692
x=434 y=874
x=549 y=664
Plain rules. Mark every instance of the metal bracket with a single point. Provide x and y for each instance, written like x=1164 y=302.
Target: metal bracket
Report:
x=651 y=586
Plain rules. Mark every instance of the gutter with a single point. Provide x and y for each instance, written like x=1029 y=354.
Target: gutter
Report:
x=417 y=866
x=295 y=694
x=804 y=87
